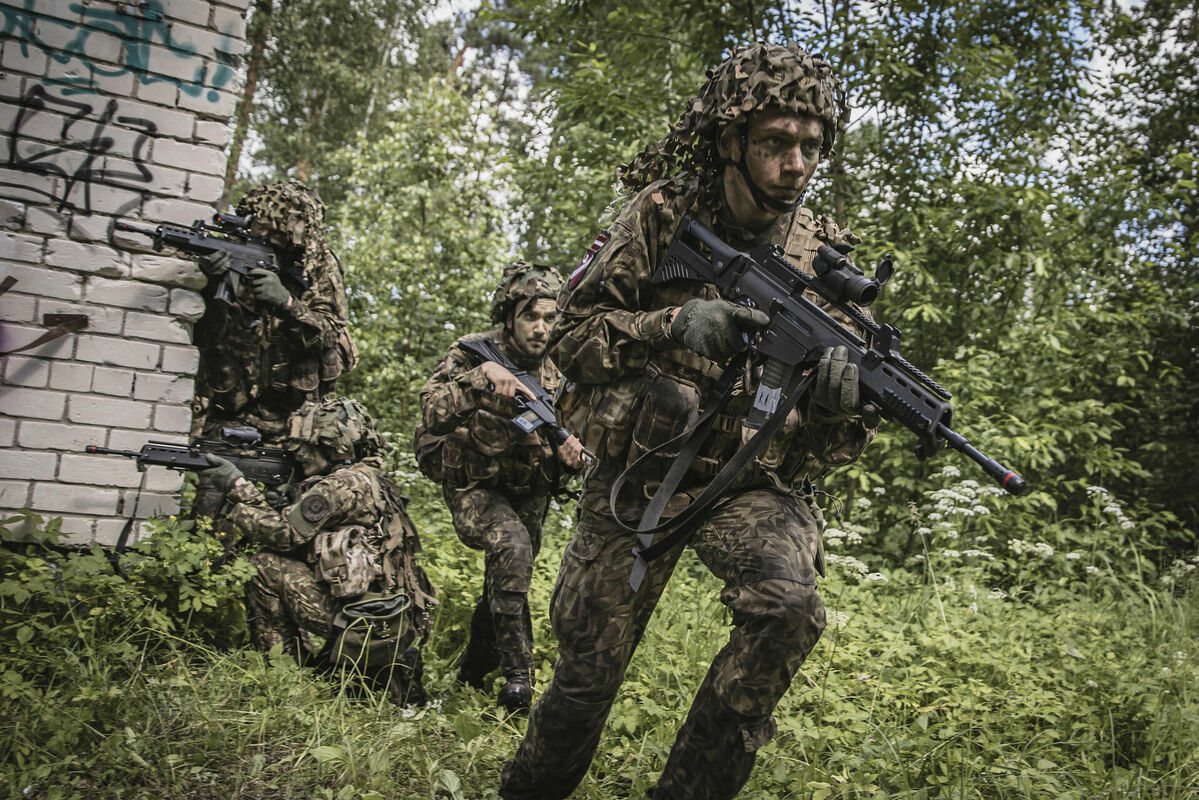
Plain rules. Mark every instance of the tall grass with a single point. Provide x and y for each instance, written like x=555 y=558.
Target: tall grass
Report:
x=951 y=677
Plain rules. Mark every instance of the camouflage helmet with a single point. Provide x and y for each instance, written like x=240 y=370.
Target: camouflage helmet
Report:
x=290 y=208
x=337 y=428
x=522 y=281
x=758 y=77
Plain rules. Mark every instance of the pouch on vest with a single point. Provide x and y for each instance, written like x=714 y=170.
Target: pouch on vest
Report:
x=427 y=447
x=344 y=561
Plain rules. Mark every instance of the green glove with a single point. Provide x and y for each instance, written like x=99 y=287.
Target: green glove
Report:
x=214 y=265
x=836 y=388
x=268 y=289
x=715 y=328
x=222 y=473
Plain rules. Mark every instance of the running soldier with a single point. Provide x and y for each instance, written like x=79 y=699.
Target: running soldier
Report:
x=496 y=480
x=644 y=357
x=340 y=562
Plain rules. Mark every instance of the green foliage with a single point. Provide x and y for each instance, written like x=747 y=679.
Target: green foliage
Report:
x=421 y=233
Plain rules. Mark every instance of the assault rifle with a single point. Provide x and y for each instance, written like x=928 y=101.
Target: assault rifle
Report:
x=230 y=235
x=267 y=465
x=534 y=412
x=800 y=331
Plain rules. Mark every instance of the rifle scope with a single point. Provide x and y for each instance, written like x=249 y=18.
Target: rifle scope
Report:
x=846 y=280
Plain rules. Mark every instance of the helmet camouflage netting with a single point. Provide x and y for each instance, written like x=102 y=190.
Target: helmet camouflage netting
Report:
x=522 y=281
x=292 y=209
x=755 y=78
x=340 y=425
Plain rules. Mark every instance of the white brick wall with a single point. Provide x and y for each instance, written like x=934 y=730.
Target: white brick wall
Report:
x=97 y=130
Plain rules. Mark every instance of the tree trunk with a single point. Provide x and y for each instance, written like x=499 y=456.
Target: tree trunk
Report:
x=259 y=29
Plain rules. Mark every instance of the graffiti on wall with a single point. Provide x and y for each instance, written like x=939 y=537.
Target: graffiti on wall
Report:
x=142 y=32
x=77 y=160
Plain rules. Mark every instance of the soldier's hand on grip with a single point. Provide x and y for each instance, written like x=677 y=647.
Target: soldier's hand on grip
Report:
x=715 y=328
x=214 y=265
x=268 y=289
x=836 y=387
x=222 y=473
x=571 y=453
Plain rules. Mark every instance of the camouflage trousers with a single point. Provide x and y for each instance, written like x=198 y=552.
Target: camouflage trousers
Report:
x=766 y=547
x=283 y=599
x=508 y=531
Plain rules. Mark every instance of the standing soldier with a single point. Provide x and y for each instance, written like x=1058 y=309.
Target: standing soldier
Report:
x=340 y=562
x=497 y=480
x=644 y=356
x=283 y=340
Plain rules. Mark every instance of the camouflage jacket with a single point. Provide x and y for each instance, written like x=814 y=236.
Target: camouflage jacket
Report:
x=270 y=364
x=482 y=447
x=635 y=388
x=355 y=505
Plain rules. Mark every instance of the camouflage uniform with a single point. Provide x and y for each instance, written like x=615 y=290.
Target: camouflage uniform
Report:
x=637 y=388
x=496 y=482
x=257 y=366
x=346 y=539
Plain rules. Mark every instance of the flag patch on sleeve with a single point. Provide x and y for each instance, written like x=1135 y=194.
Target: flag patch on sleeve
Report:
x=588 y=257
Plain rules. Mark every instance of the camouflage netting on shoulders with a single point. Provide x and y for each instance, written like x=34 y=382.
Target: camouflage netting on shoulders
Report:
x=759 y=77
x=294 y=210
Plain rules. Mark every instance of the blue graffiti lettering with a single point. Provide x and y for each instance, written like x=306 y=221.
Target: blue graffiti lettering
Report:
x=139 y=27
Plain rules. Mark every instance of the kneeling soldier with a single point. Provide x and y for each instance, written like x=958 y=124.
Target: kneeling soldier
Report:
x=340 y=561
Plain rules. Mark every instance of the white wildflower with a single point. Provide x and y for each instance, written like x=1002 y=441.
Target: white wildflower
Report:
x=950 y=471
x=879 y=490
x=974 y=608
x=981 y=511
x=837 y=619
x=922 y=531
x=1073 y=556
x=876 y=577
x=951 y=554
x=1092 y=569
x=996 y=594
x=1042 y=549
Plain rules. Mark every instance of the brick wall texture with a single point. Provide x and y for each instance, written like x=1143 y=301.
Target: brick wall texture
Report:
x=110 y=111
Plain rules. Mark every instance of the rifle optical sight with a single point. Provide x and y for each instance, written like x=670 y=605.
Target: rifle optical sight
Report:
x=849 y=283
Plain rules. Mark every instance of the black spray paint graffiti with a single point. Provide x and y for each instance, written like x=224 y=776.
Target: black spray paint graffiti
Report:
x=136 y=25
x=78 y=160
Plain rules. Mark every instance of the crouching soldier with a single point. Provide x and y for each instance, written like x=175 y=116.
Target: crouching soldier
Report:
x=340 y=562
x=496 y=479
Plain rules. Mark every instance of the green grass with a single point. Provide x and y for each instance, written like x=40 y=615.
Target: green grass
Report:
x=925 y=685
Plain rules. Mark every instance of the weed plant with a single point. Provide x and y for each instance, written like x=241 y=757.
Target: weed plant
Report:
x=981 y=664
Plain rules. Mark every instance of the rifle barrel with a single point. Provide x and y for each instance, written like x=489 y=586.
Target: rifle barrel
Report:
x=104 y=451
x=125 y=226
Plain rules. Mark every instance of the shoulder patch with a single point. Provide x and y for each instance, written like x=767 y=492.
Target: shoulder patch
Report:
x=314 y=508
x=577 y=274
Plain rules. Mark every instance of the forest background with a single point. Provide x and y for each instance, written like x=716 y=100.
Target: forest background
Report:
x=1031 y=166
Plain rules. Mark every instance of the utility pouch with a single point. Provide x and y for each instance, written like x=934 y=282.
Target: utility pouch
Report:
x=344 y=561
x=369 y=634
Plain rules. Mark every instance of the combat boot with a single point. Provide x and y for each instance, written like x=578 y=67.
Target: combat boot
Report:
x=517 y=694
x=480 y=656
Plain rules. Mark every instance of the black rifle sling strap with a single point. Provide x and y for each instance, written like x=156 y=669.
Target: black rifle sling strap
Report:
x=682 y=523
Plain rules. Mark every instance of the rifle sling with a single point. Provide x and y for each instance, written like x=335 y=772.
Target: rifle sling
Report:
x=681 y=525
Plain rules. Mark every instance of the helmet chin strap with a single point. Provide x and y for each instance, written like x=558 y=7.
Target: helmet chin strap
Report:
x=761 y=198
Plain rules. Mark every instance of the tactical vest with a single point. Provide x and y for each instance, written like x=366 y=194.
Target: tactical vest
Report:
x=489 y=451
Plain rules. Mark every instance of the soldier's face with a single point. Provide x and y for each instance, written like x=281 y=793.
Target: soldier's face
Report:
x=782 y=152
x=532 y=323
